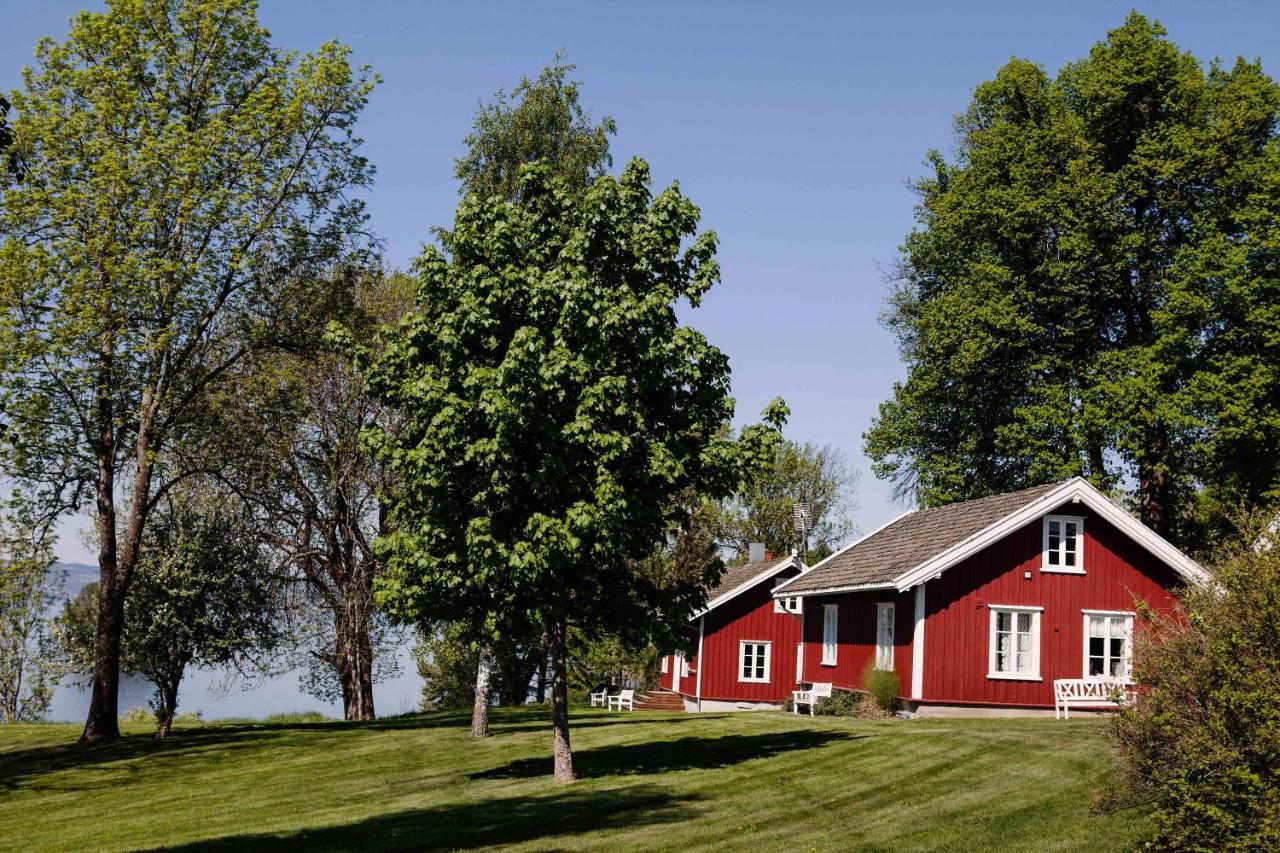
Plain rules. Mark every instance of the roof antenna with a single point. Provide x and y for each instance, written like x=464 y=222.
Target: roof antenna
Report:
x=802 y=521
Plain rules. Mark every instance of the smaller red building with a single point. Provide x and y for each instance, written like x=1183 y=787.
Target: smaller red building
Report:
x=982 y=604
x=747 y=642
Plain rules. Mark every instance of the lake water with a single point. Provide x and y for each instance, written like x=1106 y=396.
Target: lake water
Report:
x=208 y=692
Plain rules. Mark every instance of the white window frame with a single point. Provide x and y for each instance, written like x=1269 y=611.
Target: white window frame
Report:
x=830 y=625
x=666 y=664
x=1062 y=567
x=767 y=654
x=992 y=642
x=684 y=665
x=884 y=654
x=788 y=604
x=799 y=663
x=1128 y=651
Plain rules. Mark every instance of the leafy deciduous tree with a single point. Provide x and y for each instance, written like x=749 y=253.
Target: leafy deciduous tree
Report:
x=552 y=408
x=765 y=512
x=184 y=185
x=1093 y=289
x=29 y=586
x=203 y=595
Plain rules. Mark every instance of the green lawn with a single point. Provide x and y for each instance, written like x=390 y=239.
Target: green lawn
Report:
x=757 y=781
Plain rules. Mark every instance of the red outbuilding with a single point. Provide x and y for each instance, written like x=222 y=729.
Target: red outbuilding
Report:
x=983 y=604
x=747 y=641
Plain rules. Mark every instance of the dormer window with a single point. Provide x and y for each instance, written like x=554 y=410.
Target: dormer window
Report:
x=1063 y=544
x=790 y=604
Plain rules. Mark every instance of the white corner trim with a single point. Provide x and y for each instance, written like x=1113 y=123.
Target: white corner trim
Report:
x=804 y=571
x=1075 y=489
x=741 y=588
x=917 y=646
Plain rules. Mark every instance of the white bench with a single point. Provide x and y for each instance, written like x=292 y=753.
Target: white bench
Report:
x=810 y=697
x=599 y=699
x=625 y=697
x=1087 y=691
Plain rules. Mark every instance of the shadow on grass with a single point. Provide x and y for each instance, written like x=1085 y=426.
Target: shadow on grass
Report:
x=509 y=820
x=687 y=753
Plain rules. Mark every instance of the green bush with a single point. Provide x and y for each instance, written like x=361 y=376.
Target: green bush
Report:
x=841 y=703
x=1201 y=741
x=882 y=687
x=296 y=717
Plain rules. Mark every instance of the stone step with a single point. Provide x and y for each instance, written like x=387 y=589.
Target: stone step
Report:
x=659 y=700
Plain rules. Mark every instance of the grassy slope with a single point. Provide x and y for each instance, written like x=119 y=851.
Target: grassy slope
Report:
x=759 y=781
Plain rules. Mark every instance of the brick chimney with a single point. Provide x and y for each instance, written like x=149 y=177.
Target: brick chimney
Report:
x=768 y=554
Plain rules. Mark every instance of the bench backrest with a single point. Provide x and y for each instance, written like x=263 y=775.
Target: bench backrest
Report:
x=821 y=688
x=1083 y=689
x=627 y=694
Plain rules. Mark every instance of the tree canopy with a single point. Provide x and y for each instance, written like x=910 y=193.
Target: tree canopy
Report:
x=1092 y=289
x=185 y=186
x=552 y=410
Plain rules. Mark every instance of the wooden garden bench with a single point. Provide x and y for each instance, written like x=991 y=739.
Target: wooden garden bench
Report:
x=1087 y=691
x=810 y=697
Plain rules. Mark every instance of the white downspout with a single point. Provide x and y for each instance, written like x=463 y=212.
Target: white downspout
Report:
x=698 y=683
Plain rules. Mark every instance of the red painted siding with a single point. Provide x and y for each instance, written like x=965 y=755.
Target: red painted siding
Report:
x=856 y=637
x=749 y=616
x=957 y=621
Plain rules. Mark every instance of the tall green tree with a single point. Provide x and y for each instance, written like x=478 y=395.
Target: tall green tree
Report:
x=184 y=185
x=1092 y=288
x=203 y=595
x=552 y=407
x=817 y=477
x=541 y=120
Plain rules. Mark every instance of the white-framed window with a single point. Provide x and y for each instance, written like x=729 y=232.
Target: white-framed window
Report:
x=884 y=635
x=666 y=664
x=790 y=604
x=799 y=663
x=684 y=666
x=830 y=626
x=753 y=660
x=1108 y=644
x=1063 y=544
x=1014 y=642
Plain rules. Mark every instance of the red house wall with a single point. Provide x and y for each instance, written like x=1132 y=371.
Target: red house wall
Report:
x=957 y=625
x=749 y=616
x=957 y=618
x=856 y=637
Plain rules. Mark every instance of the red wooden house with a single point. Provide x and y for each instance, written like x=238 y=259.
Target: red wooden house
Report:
x=747 y=641
x=982 y=604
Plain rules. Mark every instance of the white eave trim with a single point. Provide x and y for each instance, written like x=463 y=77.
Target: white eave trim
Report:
x=743 y=587
x=1076 y=489
x=778 y=592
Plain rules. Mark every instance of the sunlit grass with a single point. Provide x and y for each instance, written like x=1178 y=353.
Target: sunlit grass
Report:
x=759 y=781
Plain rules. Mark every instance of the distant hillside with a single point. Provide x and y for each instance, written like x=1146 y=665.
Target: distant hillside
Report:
x=78 y=575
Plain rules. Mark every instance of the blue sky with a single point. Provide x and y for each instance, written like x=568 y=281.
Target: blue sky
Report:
x=794 y=126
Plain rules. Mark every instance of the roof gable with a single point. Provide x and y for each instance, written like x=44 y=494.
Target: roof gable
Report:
x=919 y=545
x=738 y=579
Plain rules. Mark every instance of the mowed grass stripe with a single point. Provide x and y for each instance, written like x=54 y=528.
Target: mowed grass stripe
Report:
x=757 y=781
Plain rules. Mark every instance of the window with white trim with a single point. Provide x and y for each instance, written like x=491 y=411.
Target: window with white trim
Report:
x=666 y=664
x=790 y=604
x=884 y=635
x=1063 y=544
x=1108 y=644
x=830 y=618
x=753 y=659
x=1014 y=642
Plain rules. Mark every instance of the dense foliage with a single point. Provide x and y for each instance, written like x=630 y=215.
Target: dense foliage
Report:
x=552 y=410
x=1202 y=742
x=184 y=186
x=203 y=596
x=1094 y=288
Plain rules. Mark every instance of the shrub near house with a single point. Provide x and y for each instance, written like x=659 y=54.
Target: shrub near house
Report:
x=982 y=604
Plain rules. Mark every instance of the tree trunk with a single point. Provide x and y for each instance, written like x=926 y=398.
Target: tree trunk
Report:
x=102 y=725
x=480 y=710
x=1154 y=485
x=560 y=704
x=354 y=660
x=168 y=705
